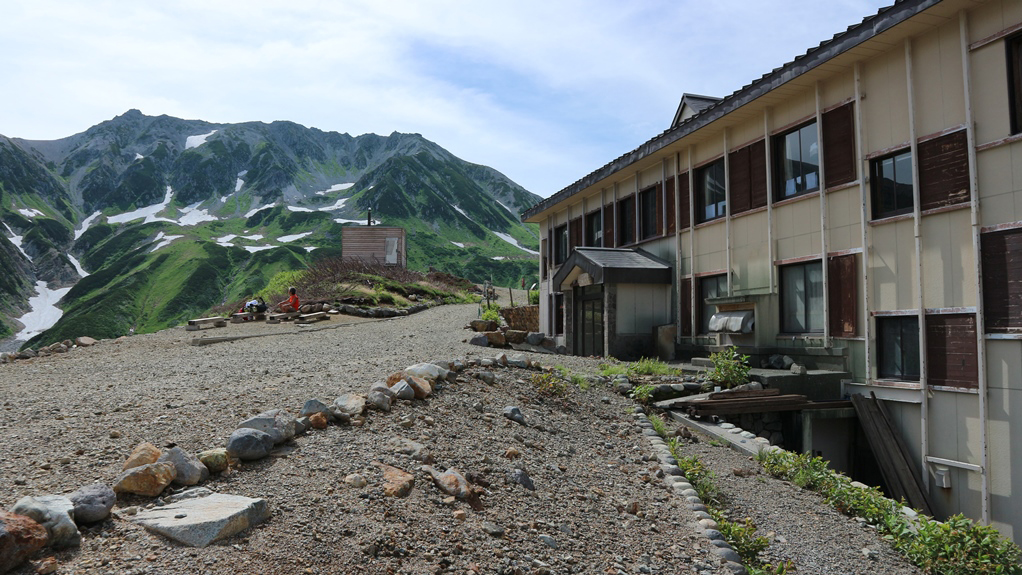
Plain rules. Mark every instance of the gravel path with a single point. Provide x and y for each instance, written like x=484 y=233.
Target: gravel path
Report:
x=71 y=419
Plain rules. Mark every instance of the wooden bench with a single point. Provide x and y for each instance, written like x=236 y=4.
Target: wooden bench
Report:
x=196 y=324
x=247 y=316
x=311 y=317
x=278 y=317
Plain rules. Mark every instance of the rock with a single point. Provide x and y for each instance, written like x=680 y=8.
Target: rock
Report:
x=548 y=541
x=487 y=377
x=56 y=514
x=402 y=390
x=480 y=339
x=379 y=400
x=149 y=480
x=249 y=444
x=483 y=325
x=318 y=421
x=356 y=480
x=535 y=338
x=460 y=515
x=302 y=426
x=397 y=483
x=514 y=414
x=143 y=454
x=197 y=522
x=492 y=529
x=420 y=386
x=93 y=503
x=315 y=406
x=427 y=371
x=519 y=360
x=522 y=478
x=413 y=449
x=20 y=537
x=350 y=404
x=276 y=423
x=190 y=471
x=215 y=460
x=512 y=453
x=452 y=482
x=46 y=566
x=787 y=362
x=501 y=359
x=515 y=336
x=496 y=338
x=798 y=369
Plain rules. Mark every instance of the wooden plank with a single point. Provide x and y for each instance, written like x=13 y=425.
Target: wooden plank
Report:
x=195 y=324
x=920 y=498
x=743 y=394
x=312 y=317
x=278 y=317
x=247 y=316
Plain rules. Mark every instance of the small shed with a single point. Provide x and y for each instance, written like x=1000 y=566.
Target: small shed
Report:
x=375 y=244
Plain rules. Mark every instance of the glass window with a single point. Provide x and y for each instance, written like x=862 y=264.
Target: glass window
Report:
x=711 y=196
x=1014 y=47
x=626 y=221
x=892 y=184
x=647 y=214
x=898 y=347
x=560 y=244
x=594 y=229
x=802 y=298
x=797 y=161
x=710 y=287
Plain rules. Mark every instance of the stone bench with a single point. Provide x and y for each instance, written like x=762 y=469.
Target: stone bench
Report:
x=196 y=324
x=312 y=317
x=247 y=316
x=278 y=317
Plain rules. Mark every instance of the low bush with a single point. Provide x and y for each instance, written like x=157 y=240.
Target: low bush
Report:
x=534 y=297
x=729 y=368
x=550 y=384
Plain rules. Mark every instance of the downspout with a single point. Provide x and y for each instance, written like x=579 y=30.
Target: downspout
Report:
x=727 y=216
x=636 y=232
x=827 y=344
x=663 y=195
x=770 y=197
x=916 y=225
x=867 y=326
x=692 y=238
x=981 y=356
x=677 y=238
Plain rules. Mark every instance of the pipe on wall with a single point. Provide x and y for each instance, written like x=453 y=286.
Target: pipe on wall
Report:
x=770 y=198
x=823 y=221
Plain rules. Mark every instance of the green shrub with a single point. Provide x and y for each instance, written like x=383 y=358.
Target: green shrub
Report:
x=729 y=368
x=610 y=370
x=491 y=315
x=643 y=393
x=741 y=536
x=658 y=424
x=651 y=366
x=534 y=297
x=549 y=384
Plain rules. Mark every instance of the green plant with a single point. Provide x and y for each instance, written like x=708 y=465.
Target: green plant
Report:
x=651 y=366
x=580 y=381
x=549 y=384
x=610 y=369
x=658 y=424
x=742 y=536
x=491 y=315
x=701 y=478
x=643 y=393
x=534 y=297
x=729 y=368
x=718 y=443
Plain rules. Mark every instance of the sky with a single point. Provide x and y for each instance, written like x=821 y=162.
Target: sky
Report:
x=543 y=91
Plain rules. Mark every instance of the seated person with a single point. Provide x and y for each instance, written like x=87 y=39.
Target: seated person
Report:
x=290 y=305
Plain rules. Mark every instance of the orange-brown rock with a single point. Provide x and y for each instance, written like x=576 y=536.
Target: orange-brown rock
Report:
x=397 y=483
x=452 y=482
x=149 y=480
x=318 y=420
x=20 y=537
x=143 y=454
x=421 y=387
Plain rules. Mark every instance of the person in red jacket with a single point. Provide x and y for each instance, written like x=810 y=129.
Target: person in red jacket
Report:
x=291 y=303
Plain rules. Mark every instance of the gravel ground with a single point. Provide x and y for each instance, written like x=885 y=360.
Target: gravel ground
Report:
x=71 y=419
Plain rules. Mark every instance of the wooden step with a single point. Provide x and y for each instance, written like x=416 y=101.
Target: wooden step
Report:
x=196 y=324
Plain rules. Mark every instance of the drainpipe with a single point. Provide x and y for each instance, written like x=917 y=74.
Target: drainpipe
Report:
x=827 y=344
x=770 y=196
x=635 y=209
x=916 y=225
x=867 y=327
x=727 y=215
x=981 y=356
x=677 y=238
x=663 y=195
x=692 y=238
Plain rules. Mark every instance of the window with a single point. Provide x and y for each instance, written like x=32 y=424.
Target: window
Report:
x=1002 y=281
x=558 y=315
x=891 y=178
x=802 y=298
x=711 y=196
x=574 y=234
x=594 y=229
x=560 y=244
x=545 y=261
x=710 y=287
x=842 y=294
x=1014 y=46
x=797 y=162
x=626 y=221
x=648 y=214
x=898 y=347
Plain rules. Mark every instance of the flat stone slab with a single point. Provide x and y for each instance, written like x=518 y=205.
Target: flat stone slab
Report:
x=199 y=522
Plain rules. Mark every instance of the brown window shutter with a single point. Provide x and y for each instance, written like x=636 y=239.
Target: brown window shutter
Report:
x=757 y=175
x=842 y=293
x=1002 y=281
x=609 y=217
x=839 y=145
x=738 y=181
x=683 y=201
x=543 y=249
x=671 y=220
x=943 y=171
x=951 y=350
x=659 y=209
x=686 y=306
x=574 y=234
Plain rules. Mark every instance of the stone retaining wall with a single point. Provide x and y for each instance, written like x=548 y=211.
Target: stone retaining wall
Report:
x=524 y=318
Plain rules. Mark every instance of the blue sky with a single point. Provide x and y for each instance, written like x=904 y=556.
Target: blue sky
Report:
x=543 y=91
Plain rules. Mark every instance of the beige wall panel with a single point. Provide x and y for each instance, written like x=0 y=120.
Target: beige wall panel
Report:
x=988 y=19
x=626 y=185
x=990 y=93
x=892 y=268
x=794 y=109
x=1004 y=365
x=711 y=248
x=642 y=306
x=905 y=418
x=1005 y=461
x=663 y=248
x=937 y=74
x=752 y=269
x=885 y=107
x=650 y=176
x=745 y=133
x=844 y=208
x=947 y=260
x=954 y=426
x=997 y=184
x=686 y=262
x=837 y=89
x=707 y=151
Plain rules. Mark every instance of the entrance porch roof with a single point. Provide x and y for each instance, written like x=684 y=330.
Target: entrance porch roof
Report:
x=613 y=266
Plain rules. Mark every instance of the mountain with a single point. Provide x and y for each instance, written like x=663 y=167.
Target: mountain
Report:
x=146 y=221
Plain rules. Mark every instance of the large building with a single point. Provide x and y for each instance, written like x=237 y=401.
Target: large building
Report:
x=859 y=208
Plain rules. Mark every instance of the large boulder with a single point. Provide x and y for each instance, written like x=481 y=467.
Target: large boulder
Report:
x=496 y=338
x=190 y=471
x=480 y=339
x=149 y=480
x=249 y=444
x=314 y=406
x=20 y=537
x=515 y=336
x=402 y=390
x=199 y=521
x=93 y=502
x=56 y=514
x=350 y=404
x=276 y=423
x=483 y=325
x=379 y=399
x=427 y=371
x=420 y=386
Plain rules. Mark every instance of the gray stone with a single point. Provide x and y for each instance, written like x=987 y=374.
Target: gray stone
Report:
x=548 y=541
x=200 y=521
x=514 y=414
x=787 y=362
x=413 y=449
x=522 y=478
x=302 y=424
x=402 y=390
x=93 y=503
x=378 y=400
x=276 y=423
x=56 y=514
x=799 y=369
x=480 y=339
x=428 y=371
x=713 y=534
x=518 y=360
x=728 y=554
x=315 y=406
x=249 y=444
x=492 y=529
x=352 y=404
x=487 y=377
x=190 y=470
x=535 y=338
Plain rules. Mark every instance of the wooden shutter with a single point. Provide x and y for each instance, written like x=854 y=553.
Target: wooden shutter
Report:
x=842 y=293
x=683 y=203
x=543 y=249
x=757 y=174
x=943 y=171
x=839 y=145
x=659 y=209
x=609 y=217
x=672 y=222
x=951 y=350
x=1002 y=281
x=686 y=306
x=574 y=234
x=738 y=180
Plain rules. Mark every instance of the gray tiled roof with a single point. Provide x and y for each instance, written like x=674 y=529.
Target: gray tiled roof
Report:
x=616 y=265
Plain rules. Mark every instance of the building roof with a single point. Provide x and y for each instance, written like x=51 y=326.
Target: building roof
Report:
x=870 y=27
x=615 y=265
x=690 y=105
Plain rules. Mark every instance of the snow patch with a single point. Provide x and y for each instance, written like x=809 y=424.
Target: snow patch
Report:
x=459 y=244
x=298 y=209
x=139 y=156
x=164 y=241
x=148 y=212
x=86 y=223
x=238 y=183
x=459 y=210
x=255 y=249
x=309 y=248
x=254 y=211
x=78 y=266
x=43 y=311
x=226 y=239
x=192 y=215
x=357 y=222
x=253 y=237
x=16 y=240
x=498 y=258
x=294 y=237
x=337 y=205
x=507 y=238
x=30 y=212
x=334 y=188
x=196 y=141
